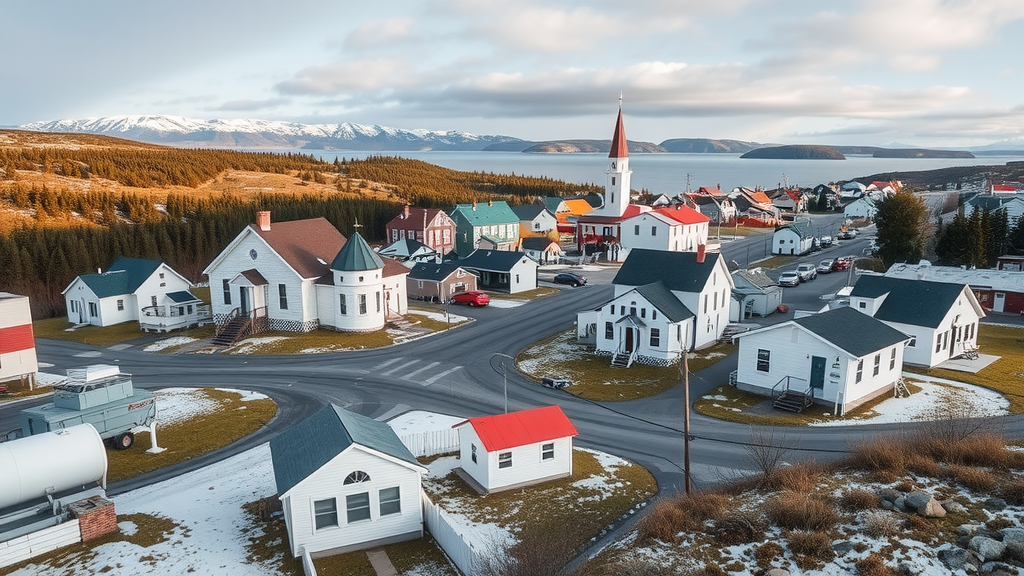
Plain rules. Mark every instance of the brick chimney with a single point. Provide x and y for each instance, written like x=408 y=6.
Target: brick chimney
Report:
x=700 y=253
x=96 y=517
x=263 y=220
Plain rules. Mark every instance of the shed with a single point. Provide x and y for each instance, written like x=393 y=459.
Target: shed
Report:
x=755 y=293
x=346 y=482
x=518 y=449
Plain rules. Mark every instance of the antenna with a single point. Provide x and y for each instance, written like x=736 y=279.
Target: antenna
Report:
x=620 y=99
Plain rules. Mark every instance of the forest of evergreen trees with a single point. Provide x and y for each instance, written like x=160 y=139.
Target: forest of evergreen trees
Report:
x=74 y=232
x=979 y=239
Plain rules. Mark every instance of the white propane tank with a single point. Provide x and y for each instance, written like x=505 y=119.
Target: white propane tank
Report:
x=52 y=461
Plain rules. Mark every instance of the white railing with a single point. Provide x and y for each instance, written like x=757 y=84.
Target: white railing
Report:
x=448 y=537
x=432 y=442
x=307 y=564
x=161 y=320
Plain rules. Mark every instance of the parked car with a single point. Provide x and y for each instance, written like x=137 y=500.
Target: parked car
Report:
x=846 y=235
x=826 y=241
x=825 y=266
x=841 y=264
x=789 y=278
x=807 y=272
x=471 y=298
x=570 y=278
x=556 y=383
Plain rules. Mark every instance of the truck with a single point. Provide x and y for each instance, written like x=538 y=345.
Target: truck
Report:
x=99 y=395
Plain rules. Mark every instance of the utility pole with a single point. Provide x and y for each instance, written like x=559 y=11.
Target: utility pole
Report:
x=686 y=424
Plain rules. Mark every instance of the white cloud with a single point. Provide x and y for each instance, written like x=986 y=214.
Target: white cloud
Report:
x=378 y=33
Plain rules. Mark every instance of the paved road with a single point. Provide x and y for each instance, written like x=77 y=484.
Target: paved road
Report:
x=459 y=373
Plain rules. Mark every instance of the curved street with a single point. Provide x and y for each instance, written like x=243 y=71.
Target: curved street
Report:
x=459 y=373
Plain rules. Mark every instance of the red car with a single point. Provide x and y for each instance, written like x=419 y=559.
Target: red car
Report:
x=840 y=264
x=472 y=298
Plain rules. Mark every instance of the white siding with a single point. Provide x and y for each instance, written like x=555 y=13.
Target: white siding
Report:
x=669 y=347
x=159 y=287
x=523 y=276
x=527 y=464
x=787 y=241
x=327 y=482
x=657 y=232
x=272 y=267
x=791 y=351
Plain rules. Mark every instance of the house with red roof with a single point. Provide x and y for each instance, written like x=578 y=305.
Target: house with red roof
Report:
x=676 y=228
x=599 y=232
x=517 y=449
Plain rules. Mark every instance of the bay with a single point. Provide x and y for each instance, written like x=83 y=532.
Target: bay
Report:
x=667 y=173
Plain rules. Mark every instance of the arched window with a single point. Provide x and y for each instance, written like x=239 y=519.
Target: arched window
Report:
x=357 y=477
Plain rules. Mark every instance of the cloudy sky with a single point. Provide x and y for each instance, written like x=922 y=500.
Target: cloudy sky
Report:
x=921 y=72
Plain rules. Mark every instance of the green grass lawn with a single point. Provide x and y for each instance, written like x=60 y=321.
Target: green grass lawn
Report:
x=1005 y=375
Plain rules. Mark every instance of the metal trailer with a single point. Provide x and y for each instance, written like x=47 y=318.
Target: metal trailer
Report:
x=97 y=395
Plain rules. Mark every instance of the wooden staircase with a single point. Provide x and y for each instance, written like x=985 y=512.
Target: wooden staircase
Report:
x=232 y=331
x=792 y=401
x=731 y=330
x=621 y=360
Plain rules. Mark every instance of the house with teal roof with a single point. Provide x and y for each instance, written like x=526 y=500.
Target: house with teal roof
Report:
x=346 y=482
x=490 y=226
x=135 y=289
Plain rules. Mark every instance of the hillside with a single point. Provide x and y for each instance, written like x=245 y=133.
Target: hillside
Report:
x=795 y=153
x=589 y=146
x=708 y=146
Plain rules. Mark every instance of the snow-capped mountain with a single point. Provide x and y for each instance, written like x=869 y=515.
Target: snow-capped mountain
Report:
x=181 y=131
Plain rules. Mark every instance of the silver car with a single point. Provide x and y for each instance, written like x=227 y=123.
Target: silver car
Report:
x=807 y=272
x=790 y=278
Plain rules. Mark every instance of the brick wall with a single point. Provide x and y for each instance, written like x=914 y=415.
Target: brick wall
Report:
x=96 y=517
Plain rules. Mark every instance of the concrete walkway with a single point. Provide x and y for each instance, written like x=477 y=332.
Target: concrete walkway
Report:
x=381 y=563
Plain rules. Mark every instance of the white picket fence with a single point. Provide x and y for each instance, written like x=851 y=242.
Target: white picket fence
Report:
x=432 y=442
x=448 y=537
x=307 y=564
x=39 y=542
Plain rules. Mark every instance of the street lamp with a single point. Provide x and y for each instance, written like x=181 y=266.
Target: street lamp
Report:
x=504 y=376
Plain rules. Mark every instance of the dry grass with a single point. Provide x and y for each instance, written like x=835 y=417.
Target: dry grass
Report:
x=815 y=545
x=801 y=477
x=1013 y=493
x=204 y=433
x=891 y=457
x=267 y=542
x=858 y=499
x=421 y=556
x=739 y=527
x=880 y=523
x=1005 y=374
x=527 y=295
x=873 y=565
x=592 y=376
x=974 y=479
x=682 y=514
x=56 y=329
x=801 y=511
x=778 y=261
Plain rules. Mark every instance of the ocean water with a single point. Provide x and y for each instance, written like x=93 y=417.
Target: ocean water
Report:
x=667 y=173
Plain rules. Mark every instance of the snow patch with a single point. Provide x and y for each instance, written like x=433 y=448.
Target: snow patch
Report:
x=168 y=343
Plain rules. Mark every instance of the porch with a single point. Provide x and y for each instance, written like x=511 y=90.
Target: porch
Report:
x=179 y=310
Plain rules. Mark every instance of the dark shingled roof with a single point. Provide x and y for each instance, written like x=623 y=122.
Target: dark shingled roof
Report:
x=757 y=280
x=124 y=276
x=914 y=302
x=852 y=331
x=492 y=260
x=662 y=298
x=802 y=229
x=529 y=211
x=356 y=255
x=680 y=271
x=432 y=271
x=182 y=297
x=306 y=245
x=307 y=446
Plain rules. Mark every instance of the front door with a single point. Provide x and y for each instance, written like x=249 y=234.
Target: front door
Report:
x=81 y=311
x=629 y=341
x=817 y=373
x=999 y=301
x=243 y=300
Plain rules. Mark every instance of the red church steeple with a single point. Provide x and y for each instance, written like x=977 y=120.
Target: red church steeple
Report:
x=619 y=149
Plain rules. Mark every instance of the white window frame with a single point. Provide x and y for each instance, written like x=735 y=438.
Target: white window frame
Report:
x=350 y=509
x=325 y=514
x=547 y=451
x=505 y=459
x=389 y=504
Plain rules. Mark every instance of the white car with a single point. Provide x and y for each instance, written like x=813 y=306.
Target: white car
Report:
x=807 y=272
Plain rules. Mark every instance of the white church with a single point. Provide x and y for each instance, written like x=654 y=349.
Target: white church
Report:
x=616 y=227
x=302 y=275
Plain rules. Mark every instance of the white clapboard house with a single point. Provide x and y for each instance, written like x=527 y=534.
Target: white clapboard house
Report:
x=346 y=482
x=517 y=449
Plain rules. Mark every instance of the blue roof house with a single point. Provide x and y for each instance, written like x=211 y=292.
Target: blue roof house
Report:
x=490 y=226
x=346 y=482
x=135 y=289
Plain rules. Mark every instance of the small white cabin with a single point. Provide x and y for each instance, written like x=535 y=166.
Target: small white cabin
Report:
x=346 y=482
x=509 y=451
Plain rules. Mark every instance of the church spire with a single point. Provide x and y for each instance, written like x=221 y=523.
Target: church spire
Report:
x=619 y=149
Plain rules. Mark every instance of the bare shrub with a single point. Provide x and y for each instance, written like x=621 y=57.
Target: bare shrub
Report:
x=816 y=545
x=974 y=479
x=880 y=523
x=998 y=523
x=923 y=465
x=1013 y=493
x=638 y=567
x=873 y=565
x=858 y=499
x=915 y=523
x=801 y=511
x=766 y=450
x=766 y=553
x=905 y=486
x=738 y=528
x=534 y=557
x=802 y=477
x=700 y=507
